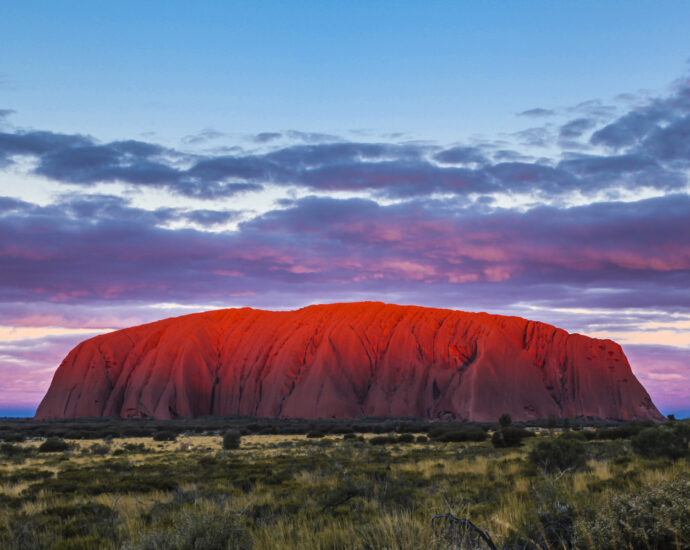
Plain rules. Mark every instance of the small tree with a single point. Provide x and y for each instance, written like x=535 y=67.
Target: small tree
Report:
x=551 y=422
x=504 y=420
x=231 y=440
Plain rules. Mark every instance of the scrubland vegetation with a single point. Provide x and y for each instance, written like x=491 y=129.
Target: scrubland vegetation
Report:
x=371 y=484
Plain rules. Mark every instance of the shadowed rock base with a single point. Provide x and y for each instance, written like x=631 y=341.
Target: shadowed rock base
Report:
x=346 y=360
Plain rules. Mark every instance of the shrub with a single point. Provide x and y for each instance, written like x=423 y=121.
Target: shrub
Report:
x=656 y=517
x=422 y=439
x=505 y=420
x=231 y=440
x=662 y=442
x=561 y=454
x=165 y=435
x=53 y=445
x=510 y=436
x=198 y=528
x=13 y=437
x=268 y=430
x=463 y=434
x=316 y=434
x=8 y=449
x=349 y=436
x=579 y=436
x=99 y=449
x=406 y=438
x=629 y=429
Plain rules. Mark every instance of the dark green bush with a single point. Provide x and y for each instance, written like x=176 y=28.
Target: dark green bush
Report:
x=268 y=430
x=53 y=445
x=510 y=436
x=13 y=437
x=10 y=450
x=505 y=420
x=165 y=435
x=663 y=442
x=574 y=435
x=558 y=455
x=382 y=440
x=422 y=439
x=99 y=449
x=231 y=440
x=624 y=431
x=406 y=438
x=463 y=434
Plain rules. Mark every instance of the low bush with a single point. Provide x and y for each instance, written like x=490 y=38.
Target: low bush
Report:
x=197 y=528
x=13 y=437
x=510 y=436
x=656 y=517
x=624 y=431
x=165 y=435
x=463 y=434
x=231 y=440
x=558 y=454
x=10 y=450
x=53 y=445
x=663 y=442
x=382 y=440
x=99 y=449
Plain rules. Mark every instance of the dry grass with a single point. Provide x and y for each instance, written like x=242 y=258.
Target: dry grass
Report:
x=290 y=491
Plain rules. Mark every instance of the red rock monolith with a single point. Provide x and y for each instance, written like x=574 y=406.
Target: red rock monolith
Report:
x=346 y=360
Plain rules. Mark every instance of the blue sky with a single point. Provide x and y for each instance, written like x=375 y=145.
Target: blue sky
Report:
x=431 y=70
x=523 y=158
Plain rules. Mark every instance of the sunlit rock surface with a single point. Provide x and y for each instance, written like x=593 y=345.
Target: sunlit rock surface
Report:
x=346 y=360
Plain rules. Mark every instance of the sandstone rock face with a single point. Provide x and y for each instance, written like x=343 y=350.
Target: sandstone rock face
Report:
x=346 y=360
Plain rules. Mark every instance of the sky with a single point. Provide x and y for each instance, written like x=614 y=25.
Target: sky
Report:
x=521 y=158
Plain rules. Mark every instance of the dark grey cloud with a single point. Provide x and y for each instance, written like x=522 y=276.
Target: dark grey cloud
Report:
x=645 y=147
x=265 y=137
x=204 y=136
x=37 y=143
x=538 y=112
x=594 y=108
x=650 y=119
x=575 y=128
x=461 y=155
x=540 y=136
x=98 y=207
